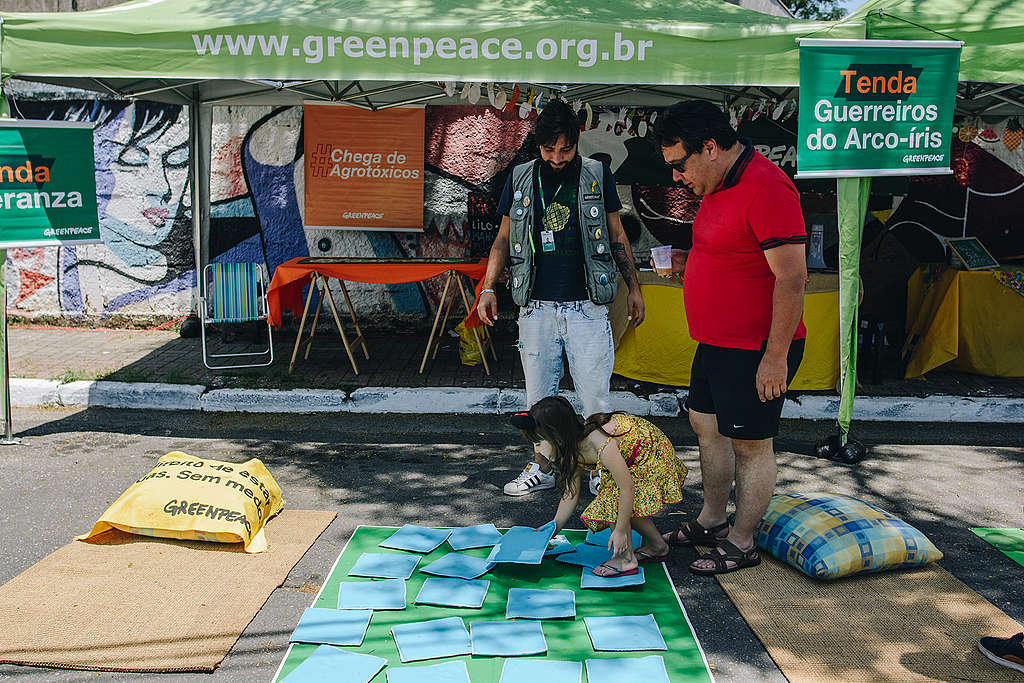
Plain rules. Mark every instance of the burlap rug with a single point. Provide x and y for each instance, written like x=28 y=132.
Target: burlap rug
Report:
x=132 y=603
x=912 y=625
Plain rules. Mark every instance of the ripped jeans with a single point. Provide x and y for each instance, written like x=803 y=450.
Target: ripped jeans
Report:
x=582 y=330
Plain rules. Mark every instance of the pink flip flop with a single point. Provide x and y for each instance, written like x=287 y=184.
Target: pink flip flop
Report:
x=617 y=574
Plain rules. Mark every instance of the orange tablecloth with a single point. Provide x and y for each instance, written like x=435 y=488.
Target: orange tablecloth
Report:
x=285 y=291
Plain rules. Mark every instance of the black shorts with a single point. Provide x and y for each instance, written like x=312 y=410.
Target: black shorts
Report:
x=722 y=383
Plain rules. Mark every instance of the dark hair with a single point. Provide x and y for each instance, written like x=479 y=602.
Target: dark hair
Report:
x=557 y=118
x=553 y=419
x=693 y=123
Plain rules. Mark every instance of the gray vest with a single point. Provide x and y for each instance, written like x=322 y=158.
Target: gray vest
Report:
x=598 y=264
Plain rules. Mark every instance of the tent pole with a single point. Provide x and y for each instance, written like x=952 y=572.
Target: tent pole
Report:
x=5 y=370
x=200 y=122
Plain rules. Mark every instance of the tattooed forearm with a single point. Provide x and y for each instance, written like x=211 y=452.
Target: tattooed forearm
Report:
x=624 y=263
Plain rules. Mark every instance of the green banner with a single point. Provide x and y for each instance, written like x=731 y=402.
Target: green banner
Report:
x=47 y=184
x=852 y=205
x=876 y=107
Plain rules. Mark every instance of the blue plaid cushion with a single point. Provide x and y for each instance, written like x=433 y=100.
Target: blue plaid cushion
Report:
x=826 y=535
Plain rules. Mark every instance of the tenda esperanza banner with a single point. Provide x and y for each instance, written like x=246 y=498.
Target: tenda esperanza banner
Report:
x=47 y=184
x=364 y=169
x=876 y=107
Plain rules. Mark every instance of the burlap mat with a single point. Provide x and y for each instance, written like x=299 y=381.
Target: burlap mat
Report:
x=910 y=625
x=132 y=603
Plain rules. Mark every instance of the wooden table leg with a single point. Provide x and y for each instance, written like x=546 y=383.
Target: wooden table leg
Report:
x=437 y=316
x=476 y=336
x=341 y=330
x=352 y=313
x=316 y=318
x=302 y=324
x=444 y=319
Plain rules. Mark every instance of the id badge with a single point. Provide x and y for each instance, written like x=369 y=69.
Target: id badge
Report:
x=547 y=240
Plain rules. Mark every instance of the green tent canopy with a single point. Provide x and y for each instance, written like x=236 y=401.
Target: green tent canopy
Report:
x=992 y=31
x=126 y=47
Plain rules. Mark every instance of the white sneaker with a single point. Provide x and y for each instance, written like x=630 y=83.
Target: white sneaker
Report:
x=595 y=482
x=530 y=479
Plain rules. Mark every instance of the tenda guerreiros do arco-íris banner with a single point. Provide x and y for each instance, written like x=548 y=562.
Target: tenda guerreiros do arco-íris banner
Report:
x=876 y=107
x=47 y=184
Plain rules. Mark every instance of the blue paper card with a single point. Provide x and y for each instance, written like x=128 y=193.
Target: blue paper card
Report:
x=625 y=634
x=546 y=670
x=558 y=545
x=590 y=580
x=479 y=536
x=446 y=637
x=647 y=669
x=601 y=538
x=384 y=594
x=385 y=566
x=453 y=592
x=326 y=662
x=507 y=638
x=523 y=545
x=586 y=556
x=331 y=626
x=456 y=566
x=533 y=603
x=447 y=672
x=415 y=538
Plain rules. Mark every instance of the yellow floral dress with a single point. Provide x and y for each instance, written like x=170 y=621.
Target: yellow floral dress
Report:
x=658 y=474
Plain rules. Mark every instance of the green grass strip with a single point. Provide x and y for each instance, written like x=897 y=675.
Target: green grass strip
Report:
x=1010 y=542
x=566 y=639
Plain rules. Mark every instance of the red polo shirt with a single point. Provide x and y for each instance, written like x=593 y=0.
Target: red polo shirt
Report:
x=727 y=284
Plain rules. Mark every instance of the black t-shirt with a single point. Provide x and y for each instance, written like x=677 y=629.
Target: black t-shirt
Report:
x=560 y=274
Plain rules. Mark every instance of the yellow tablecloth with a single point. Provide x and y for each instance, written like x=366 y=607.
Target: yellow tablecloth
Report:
x=661 y=350
x=964 y=320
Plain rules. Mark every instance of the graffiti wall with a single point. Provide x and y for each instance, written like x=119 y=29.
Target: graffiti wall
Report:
x=257 y=190
x=144 y=270
x=984 y=197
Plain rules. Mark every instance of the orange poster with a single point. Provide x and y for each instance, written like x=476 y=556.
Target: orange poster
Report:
x=364 y=169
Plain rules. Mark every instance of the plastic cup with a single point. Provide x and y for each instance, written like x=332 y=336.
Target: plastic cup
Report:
x=662 y=257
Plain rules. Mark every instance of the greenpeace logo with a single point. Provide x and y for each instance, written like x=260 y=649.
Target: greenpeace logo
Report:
x=586 y=52
x=364 y=214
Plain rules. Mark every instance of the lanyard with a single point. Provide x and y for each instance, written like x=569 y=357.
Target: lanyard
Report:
x=540 y=183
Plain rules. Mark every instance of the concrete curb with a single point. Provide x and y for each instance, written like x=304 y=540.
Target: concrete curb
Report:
x=138 y=395
x=151 y=396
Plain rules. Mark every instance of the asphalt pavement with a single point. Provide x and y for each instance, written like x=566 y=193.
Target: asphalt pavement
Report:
x=448 y=470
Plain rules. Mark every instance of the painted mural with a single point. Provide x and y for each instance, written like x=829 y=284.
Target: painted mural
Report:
x=984 y=197
x=145 y=271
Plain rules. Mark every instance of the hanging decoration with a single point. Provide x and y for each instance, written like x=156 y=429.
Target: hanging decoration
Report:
x=513 y=99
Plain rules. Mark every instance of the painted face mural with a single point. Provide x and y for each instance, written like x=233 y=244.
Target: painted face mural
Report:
x=145 y=265
x=145 y=152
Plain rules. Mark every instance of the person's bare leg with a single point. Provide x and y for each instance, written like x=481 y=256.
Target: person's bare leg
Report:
x=717 y=468
x=545 y=464
x=755 y=484
x=654 y=545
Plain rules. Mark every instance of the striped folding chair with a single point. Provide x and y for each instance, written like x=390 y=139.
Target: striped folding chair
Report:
x=235 y=293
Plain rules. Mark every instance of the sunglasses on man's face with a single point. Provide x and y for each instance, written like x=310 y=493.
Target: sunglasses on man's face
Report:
x=681 y=164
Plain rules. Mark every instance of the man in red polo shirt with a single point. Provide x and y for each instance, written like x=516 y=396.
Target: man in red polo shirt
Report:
x=743 y=287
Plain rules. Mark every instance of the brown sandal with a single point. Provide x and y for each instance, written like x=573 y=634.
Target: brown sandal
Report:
x=692 y=533
x=728 y=552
